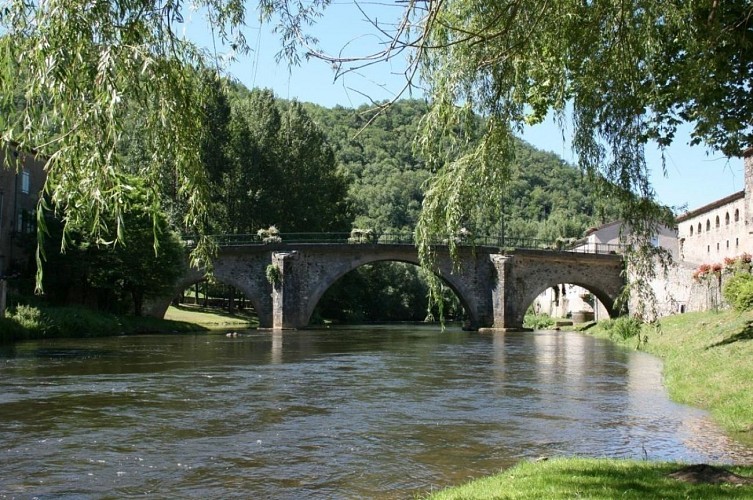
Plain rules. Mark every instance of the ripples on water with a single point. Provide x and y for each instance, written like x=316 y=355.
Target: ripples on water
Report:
x=370 y=412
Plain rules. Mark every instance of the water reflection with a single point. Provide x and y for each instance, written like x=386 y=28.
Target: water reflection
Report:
x=378 y=412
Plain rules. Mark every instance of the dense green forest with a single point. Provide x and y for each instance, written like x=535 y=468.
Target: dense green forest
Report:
x=545 y=199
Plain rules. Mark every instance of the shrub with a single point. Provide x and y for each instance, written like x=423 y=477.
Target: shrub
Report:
x=538 y=321
x=624 y=327
x=29 y=318
x=738 y=292
x=362 y=236
x=269 y=235
x=274 y=275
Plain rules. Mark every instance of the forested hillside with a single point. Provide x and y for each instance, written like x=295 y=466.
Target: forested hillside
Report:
x=546 y=199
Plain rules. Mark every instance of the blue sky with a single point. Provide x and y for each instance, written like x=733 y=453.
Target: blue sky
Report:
x=694 y=177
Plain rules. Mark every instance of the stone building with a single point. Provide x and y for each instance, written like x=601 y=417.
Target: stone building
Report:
x=721 y=229
x=709 y=234
x=20 y=186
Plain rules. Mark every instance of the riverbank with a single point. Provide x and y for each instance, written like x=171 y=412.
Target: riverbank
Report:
x=708 y=363
x=565 y=478
x=28 y=322
x=210 y=317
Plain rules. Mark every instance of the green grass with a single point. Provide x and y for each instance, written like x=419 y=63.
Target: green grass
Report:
x=593 y=478
x=26 y=322
x=210 y=317
x=708 y=363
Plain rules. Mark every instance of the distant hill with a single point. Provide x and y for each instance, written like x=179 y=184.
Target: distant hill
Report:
x=547 y=198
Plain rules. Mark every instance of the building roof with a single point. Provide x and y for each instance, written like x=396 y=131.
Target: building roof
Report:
x=711 y=206
x=592 y=230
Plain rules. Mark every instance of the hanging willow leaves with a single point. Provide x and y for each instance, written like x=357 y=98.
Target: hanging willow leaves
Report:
x=71 y=74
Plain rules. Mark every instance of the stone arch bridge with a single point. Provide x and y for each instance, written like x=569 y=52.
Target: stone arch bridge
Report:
x=494 y=286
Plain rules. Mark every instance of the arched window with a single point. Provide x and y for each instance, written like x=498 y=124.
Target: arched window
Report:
x=699 y=228
x=691 y=230
x=737 y=215
x=726 y=219
x=717 y=222
x=708 y=225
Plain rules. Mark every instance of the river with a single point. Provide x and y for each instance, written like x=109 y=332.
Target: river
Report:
x=369 y=412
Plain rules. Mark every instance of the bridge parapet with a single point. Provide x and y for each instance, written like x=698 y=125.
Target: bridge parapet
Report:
x=502 y=244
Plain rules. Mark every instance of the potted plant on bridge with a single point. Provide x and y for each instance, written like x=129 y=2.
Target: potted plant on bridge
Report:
x=269 y=235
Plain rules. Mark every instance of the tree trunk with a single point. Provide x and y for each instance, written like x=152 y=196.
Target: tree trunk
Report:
x=3 y=296
x=231 y=299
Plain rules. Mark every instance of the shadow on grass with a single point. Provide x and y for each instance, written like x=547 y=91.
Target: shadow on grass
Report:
x=239 y=314
x=745 y=334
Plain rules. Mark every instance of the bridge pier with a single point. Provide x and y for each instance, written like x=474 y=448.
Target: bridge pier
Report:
x=287 y=299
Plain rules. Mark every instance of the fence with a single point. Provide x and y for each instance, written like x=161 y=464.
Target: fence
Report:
x=235 y=240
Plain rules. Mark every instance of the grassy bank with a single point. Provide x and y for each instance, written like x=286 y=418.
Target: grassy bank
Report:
x=594 y=478
x=210 y=317
x=27 y=322
x=708 y=363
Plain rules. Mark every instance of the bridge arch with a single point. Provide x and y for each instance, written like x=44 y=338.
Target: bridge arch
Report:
x=601 y=275
x=322 y=267
x=453 y=281
x=603 y=297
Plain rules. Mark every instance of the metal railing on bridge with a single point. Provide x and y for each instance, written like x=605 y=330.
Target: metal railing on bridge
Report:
x=235 y=240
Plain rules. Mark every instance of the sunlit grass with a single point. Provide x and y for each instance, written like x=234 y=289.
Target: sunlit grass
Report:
x=595 y=479
x=211 y=317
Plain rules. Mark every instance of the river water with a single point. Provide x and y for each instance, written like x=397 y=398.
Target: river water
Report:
x=342 y=413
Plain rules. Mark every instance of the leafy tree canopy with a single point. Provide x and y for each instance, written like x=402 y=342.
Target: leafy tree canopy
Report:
x=631 y=70
x=71 y=71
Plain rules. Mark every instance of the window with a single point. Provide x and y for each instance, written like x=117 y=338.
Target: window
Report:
x=737 y=215
x=737 y=242
x=708 y=248
x=691 y=230
x=717 y=247
x=717 y=222
x=726 y=219
x=25 y=222
x=25 y=180
x=699 y=228
x=727 y=243
x=708 y=225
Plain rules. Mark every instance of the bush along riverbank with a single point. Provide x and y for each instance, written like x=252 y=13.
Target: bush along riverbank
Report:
x=708 y=363
x=27 y=322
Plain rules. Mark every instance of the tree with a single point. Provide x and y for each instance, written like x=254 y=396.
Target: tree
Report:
x=145 y=263
x=81 y=67
x=632 y=72
x=282 y=170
